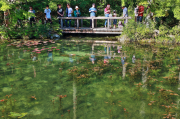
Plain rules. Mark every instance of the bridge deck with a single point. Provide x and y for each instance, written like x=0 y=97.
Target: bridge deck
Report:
x=99 y=30
x=93 y=30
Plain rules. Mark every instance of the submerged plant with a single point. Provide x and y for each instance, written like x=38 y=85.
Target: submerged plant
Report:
x=17 y=115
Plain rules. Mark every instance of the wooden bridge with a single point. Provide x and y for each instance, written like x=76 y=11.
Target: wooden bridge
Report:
x=94 y=29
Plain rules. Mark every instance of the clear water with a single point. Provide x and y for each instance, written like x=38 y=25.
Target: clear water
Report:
x=33 y=85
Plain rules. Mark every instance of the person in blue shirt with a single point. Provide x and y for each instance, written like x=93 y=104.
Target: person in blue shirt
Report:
x=47 y=13
x=92 y=12
x=92 y=58
x=31 y=18
x=125 y=13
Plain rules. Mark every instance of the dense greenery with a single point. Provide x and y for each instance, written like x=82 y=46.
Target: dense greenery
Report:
x=166 y=13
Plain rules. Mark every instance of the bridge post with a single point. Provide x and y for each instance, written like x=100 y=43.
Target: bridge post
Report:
x=108 y=24
x=77 y=23
x=107 y=50
x=81 y=22
x=92 y=48
x=92 y=22
x=61 y=23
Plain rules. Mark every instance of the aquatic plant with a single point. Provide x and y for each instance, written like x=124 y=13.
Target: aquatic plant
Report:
x=60 y=100
x=17 y=115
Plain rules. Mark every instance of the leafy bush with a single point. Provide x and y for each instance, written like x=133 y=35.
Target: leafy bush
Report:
x=38 y=31
x=137 y=31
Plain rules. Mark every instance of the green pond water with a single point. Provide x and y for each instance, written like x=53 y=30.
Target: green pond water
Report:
x=57 y=85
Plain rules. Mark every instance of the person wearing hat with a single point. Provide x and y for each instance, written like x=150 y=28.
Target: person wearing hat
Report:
x=77 y=13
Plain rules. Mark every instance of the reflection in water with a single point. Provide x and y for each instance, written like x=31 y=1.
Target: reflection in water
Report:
x=74 y=99
x=124 y=66
x=50 y=56
x=133 y=59
x=93 y=82
x=92 y=58
x=142 y=110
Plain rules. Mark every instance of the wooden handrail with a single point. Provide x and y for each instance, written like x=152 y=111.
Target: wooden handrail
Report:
x=94 y=18
x=81 y=18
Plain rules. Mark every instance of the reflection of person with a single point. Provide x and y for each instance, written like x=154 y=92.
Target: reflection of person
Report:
x=50 y=56
x=123 y=60
x=107 y=11
x=133 y=59
x=31 y=18
x=60 y=12
x=69 y=12
x=47 y=12
x=92 y=58
x=77 y=13
x=92 y=12
x=106 y=60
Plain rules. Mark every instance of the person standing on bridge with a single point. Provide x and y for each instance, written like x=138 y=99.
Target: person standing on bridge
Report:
x=77 y=13
x=69 y=12
x=47 y=13
x=125 y=13
x=31 y=15
x=140 y=13
x=107 y=11
x=92 y=12
x=60 y=12
x=136 y=12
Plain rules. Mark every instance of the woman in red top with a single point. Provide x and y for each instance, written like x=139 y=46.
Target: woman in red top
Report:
x=140 y=13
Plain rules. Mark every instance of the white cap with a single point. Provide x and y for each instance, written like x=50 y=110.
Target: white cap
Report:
x=76 y=7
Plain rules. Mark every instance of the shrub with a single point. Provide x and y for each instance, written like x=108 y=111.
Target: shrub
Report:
x=137 y=31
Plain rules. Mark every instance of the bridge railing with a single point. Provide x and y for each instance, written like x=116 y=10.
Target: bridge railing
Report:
x=92 y=18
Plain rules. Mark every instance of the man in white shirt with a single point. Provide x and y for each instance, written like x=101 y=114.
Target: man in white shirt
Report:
x=47 y=13
x=69 y=12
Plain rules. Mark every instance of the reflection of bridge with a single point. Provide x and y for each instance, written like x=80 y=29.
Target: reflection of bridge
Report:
x=109 y=52
x=93 y=30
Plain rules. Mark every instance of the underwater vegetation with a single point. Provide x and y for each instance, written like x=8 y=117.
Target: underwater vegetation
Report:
x=39 y=80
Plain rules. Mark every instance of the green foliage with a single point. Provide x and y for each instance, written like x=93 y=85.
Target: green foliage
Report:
x=163 y=31
x=138 y=31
